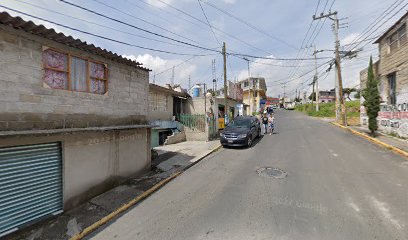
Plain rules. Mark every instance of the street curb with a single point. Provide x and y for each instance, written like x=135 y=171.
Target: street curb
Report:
x=134 y=201
x=376 y=141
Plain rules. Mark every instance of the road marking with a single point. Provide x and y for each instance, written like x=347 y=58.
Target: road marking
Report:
x=382 y=207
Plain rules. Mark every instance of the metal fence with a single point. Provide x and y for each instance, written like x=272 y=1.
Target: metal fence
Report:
x=195 y=122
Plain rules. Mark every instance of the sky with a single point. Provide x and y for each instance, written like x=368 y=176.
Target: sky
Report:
x=186 y=35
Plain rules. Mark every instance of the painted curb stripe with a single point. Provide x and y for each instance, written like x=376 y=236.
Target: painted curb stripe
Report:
x=378 y=142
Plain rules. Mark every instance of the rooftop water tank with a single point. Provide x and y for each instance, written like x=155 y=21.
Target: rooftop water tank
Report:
x=196 y=91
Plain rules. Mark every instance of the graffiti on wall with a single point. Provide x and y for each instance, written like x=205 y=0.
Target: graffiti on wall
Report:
x=394 y=118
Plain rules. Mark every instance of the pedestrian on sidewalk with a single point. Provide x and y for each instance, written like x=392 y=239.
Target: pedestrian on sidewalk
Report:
x=271 y=122
x=265 y=123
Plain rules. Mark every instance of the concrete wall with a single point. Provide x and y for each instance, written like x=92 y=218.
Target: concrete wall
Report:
x=176 y=138
x=164 y=113
x=192 y=135
x=27 y=104
x=197 y=105
x=94 y=162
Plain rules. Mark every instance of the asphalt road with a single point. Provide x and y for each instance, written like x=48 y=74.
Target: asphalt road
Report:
x=338 y=186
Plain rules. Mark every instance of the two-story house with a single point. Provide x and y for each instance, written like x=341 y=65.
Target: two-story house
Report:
x=73 y=121
x=392 y=72
x=254 y=95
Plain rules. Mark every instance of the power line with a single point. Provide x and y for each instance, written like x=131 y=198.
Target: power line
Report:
x=272 y=58
x=220 y=30
x=100 y=25
x=277 y=65
x=376 y=21
x=249 y=24
x=98 y=36
x=162 y=10
x=296 y=78
x=382 y=24
x=135 y=27
x=305 y=50
x=317 y=7
x=208 y=22
x=140 y=19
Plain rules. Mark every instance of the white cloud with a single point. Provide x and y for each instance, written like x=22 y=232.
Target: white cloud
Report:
x=163 y=68
x=229 y=1
x=349 y=39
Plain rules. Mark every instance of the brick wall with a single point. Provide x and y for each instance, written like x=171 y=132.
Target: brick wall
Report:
x=27 y=104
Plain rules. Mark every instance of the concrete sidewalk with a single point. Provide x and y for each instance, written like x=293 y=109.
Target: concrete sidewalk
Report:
x=390 y=140
x=393 y=141
x=182 y=154
x=171 y=158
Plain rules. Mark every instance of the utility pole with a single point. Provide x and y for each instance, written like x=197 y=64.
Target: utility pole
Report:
x=340 y=106
x=313 y=92
x=249 y=88
x=189 y=82
x=172 y=78
x=284 y=94
x=224 y=53
x=214 y=74
x=316 y=79
x=205 y=99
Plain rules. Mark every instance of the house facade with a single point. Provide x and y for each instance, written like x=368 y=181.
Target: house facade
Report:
x=392 y=72
x=73 y=121
x=165 y=106
x=254 y=93
x=327 y=96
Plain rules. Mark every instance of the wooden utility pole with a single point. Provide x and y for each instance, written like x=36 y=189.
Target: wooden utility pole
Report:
x=313 y=91
x=340 y=106
x=224 y=53
x=316 y=79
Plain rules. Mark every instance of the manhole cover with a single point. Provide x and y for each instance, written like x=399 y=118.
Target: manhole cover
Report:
x=271 y=172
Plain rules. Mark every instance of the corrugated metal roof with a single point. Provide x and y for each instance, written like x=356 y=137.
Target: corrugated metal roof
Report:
x=50 y=33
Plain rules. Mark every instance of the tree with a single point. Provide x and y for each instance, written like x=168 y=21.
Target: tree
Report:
x=312 y=96
x=347 y=92
x=371 y=99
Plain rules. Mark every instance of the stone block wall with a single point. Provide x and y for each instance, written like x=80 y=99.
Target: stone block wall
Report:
x=27 y=104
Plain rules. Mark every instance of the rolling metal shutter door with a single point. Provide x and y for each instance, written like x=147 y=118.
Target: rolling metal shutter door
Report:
x=30 y=184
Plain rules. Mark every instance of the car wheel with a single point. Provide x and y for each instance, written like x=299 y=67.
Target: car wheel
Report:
x=249 y=141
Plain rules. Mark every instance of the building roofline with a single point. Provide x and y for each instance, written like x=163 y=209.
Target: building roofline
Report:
x=392 y=27
x=50 y=33
x=167 y=90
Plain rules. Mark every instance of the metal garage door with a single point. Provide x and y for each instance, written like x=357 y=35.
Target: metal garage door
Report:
x=30 y=184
